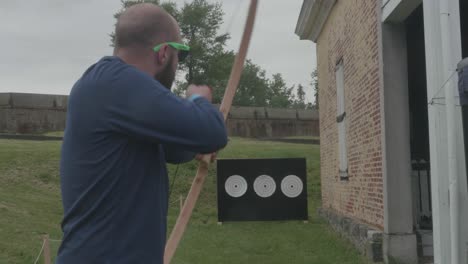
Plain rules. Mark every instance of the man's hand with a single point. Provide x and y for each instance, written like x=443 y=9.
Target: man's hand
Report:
x=206 y=92
x=202 y=90
x=199 y=157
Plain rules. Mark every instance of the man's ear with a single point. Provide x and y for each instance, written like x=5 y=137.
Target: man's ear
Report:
x=162 y=55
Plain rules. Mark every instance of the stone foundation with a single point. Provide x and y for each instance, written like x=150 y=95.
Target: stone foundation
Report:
x=366 y=239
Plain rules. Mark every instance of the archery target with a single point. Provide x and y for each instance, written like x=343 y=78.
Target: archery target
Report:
x=292 y=186
x=235 y=186
x=261 y=189
x=264 y=186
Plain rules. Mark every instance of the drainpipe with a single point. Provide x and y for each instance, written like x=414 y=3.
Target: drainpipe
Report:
x=446 y=31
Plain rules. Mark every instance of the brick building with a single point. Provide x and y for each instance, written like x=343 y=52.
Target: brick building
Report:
x=387 y=96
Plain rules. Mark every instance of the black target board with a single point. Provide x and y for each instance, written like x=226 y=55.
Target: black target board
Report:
x=262 y=189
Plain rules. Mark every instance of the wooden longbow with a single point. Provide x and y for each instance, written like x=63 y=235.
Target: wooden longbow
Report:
x=197 y=184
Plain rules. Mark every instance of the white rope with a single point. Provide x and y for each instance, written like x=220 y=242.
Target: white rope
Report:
x=431 y=102
x=40 y=252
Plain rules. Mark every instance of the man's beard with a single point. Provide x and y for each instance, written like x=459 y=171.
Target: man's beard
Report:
x=166 y=77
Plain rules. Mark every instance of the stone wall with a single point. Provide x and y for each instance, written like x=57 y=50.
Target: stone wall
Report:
x=350 y=34
x=36 y=113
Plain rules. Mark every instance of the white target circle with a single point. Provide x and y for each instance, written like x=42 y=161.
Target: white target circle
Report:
x=292 y=186
x=264 y=186
x=235 y=186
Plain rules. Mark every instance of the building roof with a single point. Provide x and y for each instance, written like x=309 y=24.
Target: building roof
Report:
x=313 y=15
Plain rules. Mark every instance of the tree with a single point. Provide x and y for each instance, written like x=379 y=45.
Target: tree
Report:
x=279 y=95
x=210 y=63
x=199 y=23
x=300 y=98
x=215 y=74
x=253 y=86
x=315 y=85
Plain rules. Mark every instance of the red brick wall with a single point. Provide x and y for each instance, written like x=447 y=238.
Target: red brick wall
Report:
x=351 y=34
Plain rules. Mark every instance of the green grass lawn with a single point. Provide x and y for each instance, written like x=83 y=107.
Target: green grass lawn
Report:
x=30 y=206
x=303 y=137
x=54 y=134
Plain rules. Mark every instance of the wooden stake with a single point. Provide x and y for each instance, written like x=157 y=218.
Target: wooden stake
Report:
x=46 y=252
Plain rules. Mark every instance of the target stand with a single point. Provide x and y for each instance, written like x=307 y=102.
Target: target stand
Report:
x=262 y=189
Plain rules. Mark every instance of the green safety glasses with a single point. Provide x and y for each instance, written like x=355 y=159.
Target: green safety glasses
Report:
x=183 y=50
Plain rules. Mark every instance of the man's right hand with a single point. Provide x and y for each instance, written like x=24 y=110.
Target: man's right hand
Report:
x=202 y=90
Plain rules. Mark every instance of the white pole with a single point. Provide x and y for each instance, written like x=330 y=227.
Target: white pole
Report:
x=447 y=38
x=437 y=134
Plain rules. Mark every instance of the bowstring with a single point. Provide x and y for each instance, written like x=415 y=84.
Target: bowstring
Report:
x=231 y=19
x=228 y=29
x=172 y=184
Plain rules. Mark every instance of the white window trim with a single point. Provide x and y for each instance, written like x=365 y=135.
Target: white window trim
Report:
x=341 y=121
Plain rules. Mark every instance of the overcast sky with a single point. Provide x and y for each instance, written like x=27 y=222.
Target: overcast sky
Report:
x=45 y=45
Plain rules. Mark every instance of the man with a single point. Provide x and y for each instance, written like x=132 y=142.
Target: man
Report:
x=123 y=125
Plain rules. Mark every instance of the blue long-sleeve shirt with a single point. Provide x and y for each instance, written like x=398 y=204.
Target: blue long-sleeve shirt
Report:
x=122 y=127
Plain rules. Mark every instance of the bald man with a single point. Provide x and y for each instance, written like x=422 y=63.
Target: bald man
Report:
x=123 y=125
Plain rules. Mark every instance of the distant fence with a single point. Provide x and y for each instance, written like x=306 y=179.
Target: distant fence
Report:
x=32 y=113
x=37 y=113
x=262 y=122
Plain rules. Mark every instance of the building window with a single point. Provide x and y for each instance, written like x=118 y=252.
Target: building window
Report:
x=341 y=121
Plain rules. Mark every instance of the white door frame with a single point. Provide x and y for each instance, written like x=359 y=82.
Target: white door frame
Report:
x=399 y=241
